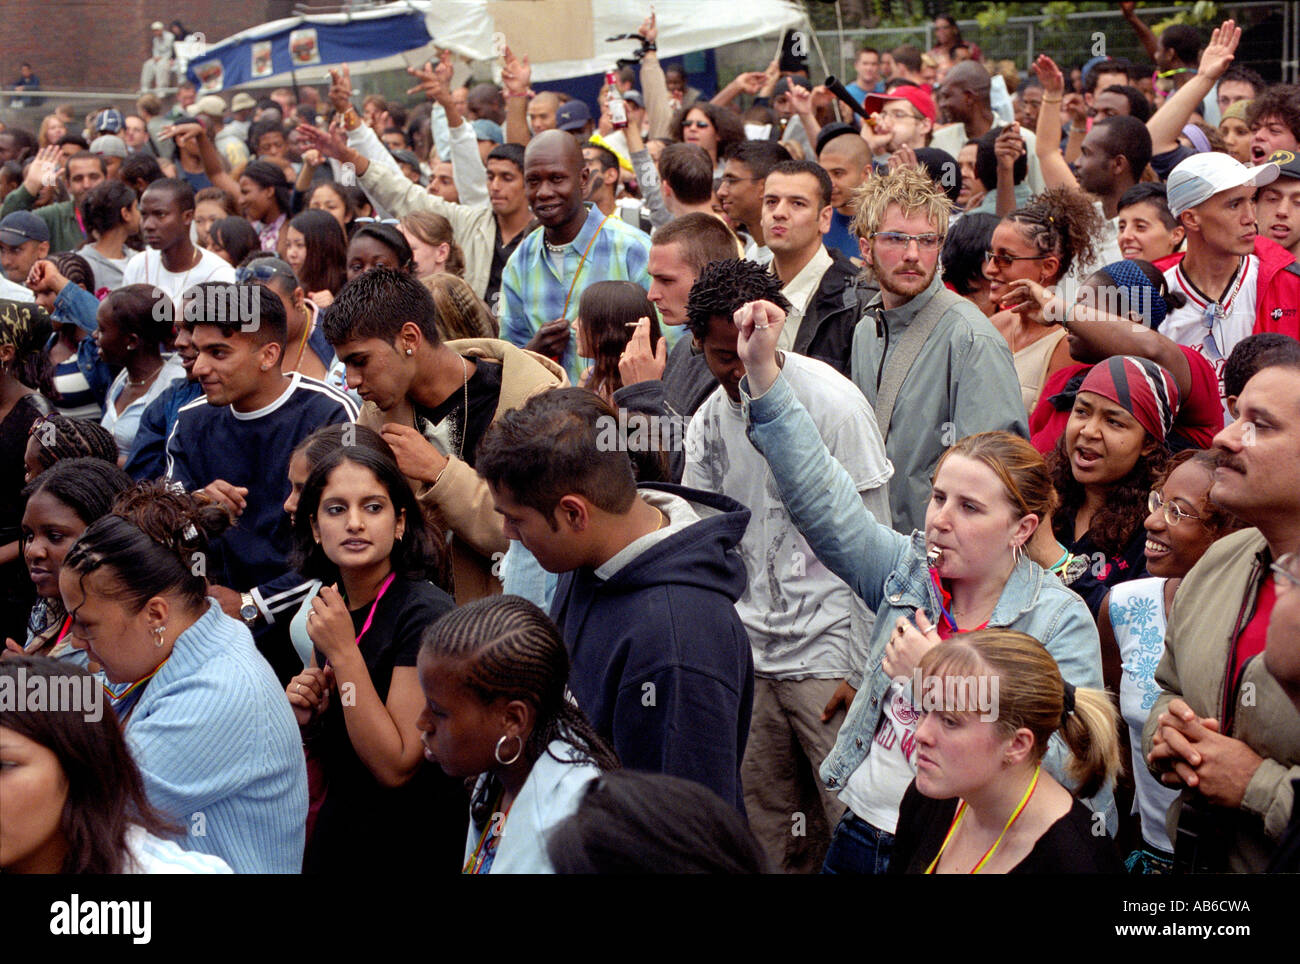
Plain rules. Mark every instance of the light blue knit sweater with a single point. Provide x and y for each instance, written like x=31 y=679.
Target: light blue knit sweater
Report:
x=220 y=750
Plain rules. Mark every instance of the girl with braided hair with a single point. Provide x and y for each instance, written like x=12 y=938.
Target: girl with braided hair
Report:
x=494 y=674
x=359 y=530
x=461 y=313
x=57 y=508
x=1042 y=242
x=55 y=437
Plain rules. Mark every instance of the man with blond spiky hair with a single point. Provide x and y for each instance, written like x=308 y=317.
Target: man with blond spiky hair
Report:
x=933 y=367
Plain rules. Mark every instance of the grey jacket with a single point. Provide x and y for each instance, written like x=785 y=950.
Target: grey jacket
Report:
x=962 y=382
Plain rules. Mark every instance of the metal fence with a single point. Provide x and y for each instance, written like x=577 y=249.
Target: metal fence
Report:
x=1270 y=40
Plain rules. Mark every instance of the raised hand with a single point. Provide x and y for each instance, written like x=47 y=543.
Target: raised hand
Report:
x=430 y=83
x=1049 y=75
x=340 y=92
x=1218 y=53
x=759 y=324
x=45 y=277
x=43 y=170
x=516 y=72
x=332 y=143
x=1076 y=109
x=1008 y=146
x=648 y=30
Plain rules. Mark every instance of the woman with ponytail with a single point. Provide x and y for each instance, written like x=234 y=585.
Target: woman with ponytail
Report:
x=981 y=802
x=202 y=712
x=494 y=674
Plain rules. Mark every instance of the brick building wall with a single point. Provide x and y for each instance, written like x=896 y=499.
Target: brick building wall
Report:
x=100 y=44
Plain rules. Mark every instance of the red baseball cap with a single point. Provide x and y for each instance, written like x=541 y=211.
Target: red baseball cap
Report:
x=918 y=97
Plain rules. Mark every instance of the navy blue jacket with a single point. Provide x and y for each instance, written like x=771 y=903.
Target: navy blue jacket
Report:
x=661 y=663
x=148 y=458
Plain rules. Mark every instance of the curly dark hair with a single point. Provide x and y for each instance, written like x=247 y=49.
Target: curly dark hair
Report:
x=724 y=120
x=724 y=286
x=1060 y=222
x=1278 y=100
x=1125 y=508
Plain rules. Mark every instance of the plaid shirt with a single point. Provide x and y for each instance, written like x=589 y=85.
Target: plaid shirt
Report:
x=532 y=294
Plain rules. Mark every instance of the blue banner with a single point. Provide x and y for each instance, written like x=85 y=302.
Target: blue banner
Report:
x=307 y=45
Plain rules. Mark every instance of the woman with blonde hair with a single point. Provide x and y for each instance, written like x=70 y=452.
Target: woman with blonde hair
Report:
x=968 y=570
x=981 y=801
x=430 y=238
x=51 y=130
x=461 y=313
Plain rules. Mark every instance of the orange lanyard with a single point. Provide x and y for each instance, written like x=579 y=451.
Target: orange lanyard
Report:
x=565 y=312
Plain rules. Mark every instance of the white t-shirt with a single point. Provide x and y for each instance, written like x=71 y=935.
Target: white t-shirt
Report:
x=147 y=268
x=1137 y=615
x=148 y=854
x=875 y=789
x=1186 y=325
x=797 y=613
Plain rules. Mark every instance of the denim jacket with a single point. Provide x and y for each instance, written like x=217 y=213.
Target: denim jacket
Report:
x=75 y=305
x=889 y=571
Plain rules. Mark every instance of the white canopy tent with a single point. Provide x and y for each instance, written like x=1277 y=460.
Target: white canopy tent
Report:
x=567 y=38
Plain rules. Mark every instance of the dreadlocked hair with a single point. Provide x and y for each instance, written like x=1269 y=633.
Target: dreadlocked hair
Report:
x=1060 y=222
x=1125 y=508
x=59 y=438
x=509 y=649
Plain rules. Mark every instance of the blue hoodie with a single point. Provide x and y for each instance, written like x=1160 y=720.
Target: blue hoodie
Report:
x=661 y=663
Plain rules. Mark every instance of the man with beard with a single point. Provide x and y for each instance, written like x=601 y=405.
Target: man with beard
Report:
x=933 y=367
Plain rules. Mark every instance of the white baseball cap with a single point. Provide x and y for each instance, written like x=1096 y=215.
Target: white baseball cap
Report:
x=1202 y=176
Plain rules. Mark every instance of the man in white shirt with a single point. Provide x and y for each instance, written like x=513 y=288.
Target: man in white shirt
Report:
x=171 y=261
x=1227 y=265
x=964 y=98
x=804 y=624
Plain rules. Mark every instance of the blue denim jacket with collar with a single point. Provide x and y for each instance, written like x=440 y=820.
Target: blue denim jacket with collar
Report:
x=889 y=571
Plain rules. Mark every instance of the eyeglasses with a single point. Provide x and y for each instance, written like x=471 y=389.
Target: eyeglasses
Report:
x=1173 y=512
x=1288 y=567
x=900 y=115
x=375 y=221
x=696 y=123
x=1005 y=261
x=899 y=242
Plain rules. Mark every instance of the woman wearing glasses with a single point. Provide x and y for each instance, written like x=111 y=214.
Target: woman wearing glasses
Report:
x=713 y=128
x=1181 y=524
x=1039 y=242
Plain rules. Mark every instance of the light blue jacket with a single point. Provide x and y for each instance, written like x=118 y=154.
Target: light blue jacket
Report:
x=889 y=571
x=551 y=793
x=220 y=751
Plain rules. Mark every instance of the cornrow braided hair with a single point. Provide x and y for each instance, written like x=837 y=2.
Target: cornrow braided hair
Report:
x=512 y=650
x=59 y=437
x=1061 y=222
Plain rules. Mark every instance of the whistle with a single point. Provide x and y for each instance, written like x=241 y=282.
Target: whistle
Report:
x=935 y=556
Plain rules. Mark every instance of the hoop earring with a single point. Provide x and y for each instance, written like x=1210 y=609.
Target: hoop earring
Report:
x=1016 y=553
x=518 y=753
x=158 y=632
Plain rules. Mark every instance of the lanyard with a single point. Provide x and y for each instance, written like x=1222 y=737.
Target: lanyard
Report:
x=961 y=812
x=375 y=605
x=488 y=839
x=565 y=312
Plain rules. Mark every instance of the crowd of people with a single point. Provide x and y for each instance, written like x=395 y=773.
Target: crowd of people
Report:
x=756 y=483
